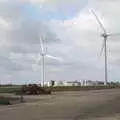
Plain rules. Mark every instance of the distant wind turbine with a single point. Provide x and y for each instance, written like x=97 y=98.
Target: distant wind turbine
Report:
x=43 y=54
x=105 y=35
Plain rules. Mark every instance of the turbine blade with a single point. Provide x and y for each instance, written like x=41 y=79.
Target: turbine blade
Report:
x=3 y=22
x=38 y=59
x=114 y=34
x=34 y=67
x=99 y=22
x=102 y=48
x=41 y=45
x=55 y=58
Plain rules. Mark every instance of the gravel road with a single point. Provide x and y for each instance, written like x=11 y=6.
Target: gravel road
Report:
x=82 y=105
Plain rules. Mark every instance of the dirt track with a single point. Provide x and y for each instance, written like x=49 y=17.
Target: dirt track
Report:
x=84 y=105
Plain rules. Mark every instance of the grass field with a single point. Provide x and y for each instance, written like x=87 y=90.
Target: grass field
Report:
x=79 y=88
x=9 y=89
x=60 y=88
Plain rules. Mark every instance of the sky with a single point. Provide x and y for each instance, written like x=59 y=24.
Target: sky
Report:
x=71 y=34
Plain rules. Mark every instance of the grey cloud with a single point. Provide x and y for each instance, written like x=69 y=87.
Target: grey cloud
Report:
x=10 y=11
x=23 y=48
x=30 y=32
x=24 y=32
x=77 y=47
x=116 y=62
x=8 y=64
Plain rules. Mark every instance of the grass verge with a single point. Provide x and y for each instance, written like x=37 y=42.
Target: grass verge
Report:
x=61 y=88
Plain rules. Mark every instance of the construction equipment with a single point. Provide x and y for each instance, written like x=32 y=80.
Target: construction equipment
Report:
x=33 y=89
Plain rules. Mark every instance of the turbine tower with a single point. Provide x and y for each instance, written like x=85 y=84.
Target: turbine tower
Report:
x=43 y=52
x=105 y=36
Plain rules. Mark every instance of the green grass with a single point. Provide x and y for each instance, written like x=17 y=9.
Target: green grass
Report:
x=79 y=88
x=4 y=102
x=8 y=89
x=61 y=88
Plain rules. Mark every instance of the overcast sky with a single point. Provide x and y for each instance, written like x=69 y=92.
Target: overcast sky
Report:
x=71 y=34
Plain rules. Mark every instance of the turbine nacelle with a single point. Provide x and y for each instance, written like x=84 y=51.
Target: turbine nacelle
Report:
x=105 y=35
x=43 y=53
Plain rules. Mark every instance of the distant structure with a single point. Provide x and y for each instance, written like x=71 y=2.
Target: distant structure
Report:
x=73 y=83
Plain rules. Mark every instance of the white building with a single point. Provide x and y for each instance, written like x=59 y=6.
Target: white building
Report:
x=91 y=83
x=67 y=83
x=83 y=82
x=74 y=83
x=59 y=83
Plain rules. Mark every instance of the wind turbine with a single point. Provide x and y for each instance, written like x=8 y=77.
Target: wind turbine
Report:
x=41 y=57
x=105 y=35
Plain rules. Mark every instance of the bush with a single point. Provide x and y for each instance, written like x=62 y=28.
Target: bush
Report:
x=4 y=102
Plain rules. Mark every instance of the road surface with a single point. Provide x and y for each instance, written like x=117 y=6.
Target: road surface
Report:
x=84 y=105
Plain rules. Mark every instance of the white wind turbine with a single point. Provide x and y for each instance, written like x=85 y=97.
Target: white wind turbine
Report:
x=105 y=35
x=41 y=58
